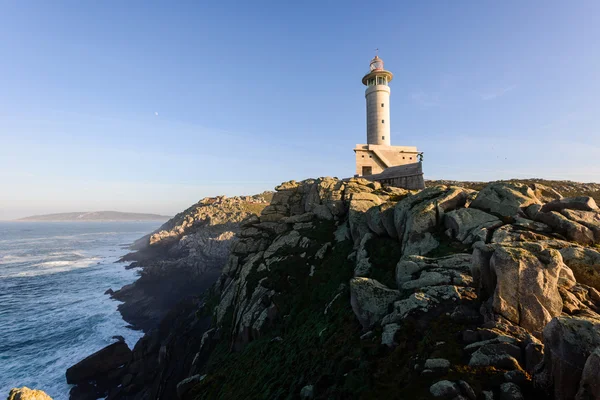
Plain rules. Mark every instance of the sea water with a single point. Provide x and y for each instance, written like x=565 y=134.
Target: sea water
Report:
x=53 y=310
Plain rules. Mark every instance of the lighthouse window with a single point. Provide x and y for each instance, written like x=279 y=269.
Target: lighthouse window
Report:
x=383 y=138
x=381 y=104
x=371 y=82
x=380 y=80
x=383 y=121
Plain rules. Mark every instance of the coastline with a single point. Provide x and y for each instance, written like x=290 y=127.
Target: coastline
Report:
x=55 y=312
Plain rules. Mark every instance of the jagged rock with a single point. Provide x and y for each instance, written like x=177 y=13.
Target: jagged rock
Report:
x=288 y=185
x=570 y=229
x=251 y=232
x=419 y=301
x=437 y=364
x=185 y=256
x=272 y=228
x=357 y=217
x=25 y=393
x=358 y=185
x=589 y=219
x=101 y=362
x=510 y=391
x=440 y=277
x=290 y=239
x=470 y=225
x=237 y=287
x=499 y=355
x=185 y=385
x=322 y=212
x=375 y=222
x=504 y=199
x=324 y=198
x=307 y=392
x=387 y=218
x=531 y=225
x=370 y=300
x=467 y=390
x=306 y=217
x=545 y=193
x=388 y=334
x=454 y=267
x=488 y=395
x=363 y=265
x=509 y=234
x=583 y=203
x=497 y=338
x=585 y=264
x=523 y=287
x=417 y=216
x=589 y=386
x=568 y=342
x=444 y=390
x=320 y=254
x=249 y=221
x=443 y=293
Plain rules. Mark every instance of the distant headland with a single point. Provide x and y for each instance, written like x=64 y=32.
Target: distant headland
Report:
x=95 y=216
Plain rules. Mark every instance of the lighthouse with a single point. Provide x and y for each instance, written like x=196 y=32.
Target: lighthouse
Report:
x=378 y=103
x=377 y=159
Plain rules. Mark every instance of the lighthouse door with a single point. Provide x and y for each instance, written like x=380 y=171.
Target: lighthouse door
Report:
x=366 y=171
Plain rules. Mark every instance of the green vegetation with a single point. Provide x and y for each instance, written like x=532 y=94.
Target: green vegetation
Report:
x=255 y=208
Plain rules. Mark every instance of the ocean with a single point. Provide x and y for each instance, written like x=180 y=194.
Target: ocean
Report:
x=53 y=310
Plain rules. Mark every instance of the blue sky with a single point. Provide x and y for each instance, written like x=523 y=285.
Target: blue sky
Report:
x=149 y=106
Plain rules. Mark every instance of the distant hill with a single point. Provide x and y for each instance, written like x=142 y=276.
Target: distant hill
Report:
x=97 y=216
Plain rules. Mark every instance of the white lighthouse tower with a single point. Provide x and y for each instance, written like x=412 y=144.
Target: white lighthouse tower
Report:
x=378 y=159
x=378 y=103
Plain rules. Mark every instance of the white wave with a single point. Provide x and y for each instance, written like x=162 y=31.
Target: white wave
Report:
x=15 y=259
x=67 y=237
x=53 y=267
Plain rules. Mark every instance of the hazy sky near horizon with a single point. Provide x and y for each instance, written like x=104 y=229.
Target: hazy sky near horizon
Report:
x=148 y=106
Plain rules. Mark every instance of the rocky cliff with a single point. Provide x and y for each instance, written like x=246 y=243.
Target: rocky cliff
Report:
x=183 y=257
x=347 y=289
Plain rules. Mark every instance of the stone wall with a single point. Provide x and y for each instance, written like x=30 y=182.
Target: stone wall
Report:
x=380 y=157
x=408 y=176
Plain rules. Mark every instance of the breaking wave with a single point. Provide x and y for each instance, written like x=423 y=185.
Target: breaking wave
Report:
x=53 y=308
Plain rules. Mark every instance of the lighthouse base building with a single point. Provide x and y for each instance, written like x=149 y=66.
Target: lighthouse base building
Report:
x=378 y=160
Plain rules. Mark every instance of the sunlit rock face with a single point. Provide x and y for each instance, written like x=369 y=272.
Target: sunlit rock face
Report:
x=347 y=288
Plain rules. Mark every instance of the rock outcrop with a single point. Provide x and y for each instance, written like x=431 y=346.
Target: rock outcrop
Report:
x=97 y=373
x=25 y=393
x=184 y=256
x=348 y=289
x=568 y=344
